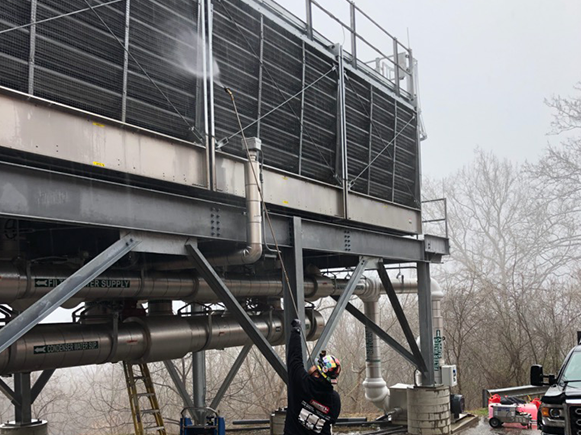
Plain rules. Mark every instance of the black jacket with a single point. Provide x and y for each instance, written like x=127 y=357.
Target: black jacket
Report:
x=305 y=389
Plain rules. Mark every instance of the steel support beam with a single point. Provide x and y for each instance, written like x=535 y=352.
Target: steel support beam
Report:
x=125 y=61
x=23 y=410
x=425 y=315
x=199 y=379
x=38 y=311
x=401 y=317
x=218 y=286
x=339 y=308
x=32 y=46
x=230 y=376
x=37 y=194
x=5 y=388
x=180 y=387
x=294 y=295
x=40 y=383
x=377 y=330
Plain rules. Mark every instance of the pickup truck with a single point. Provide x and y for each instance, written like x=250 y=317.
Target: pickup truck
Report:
x=560 y=410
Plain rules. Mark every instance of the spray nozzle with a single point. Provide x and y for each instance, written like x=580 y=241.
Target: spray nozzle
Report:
x=228 y=91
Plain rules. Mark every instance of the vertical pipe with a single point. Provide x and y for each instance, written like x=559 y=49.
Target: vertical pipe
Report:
x=309 y=7
x=125 y=61
x=202 y=31
x=294 y=295
x=375 y=387
x=394 y=150
x=23 y=410
x=353 y=33
x=342 y=132
x=260 y=74
x=412 y=78
x=32 y=46
x=199 y=377
x=210 y=8
x=370 y=139
x=302 y=116
x=425 y=317
x=396 y=64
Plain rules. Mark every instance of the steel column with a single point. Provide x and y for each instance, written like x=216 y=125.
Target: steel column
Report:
x=230 y=376
x=376 y=329
x=23 y=410
x=370 y=143
x=353 y=14
x=339 y=308
x=396 y=63
x=218 y=286
x=210 y=24
x=40 y=383
x=425 y=314
x=395 y=134
x=5 y=388
x=125 y=61
x=397 y=308
x=33 y=315
x=180 y=387
x=32 y=46
x=309 y=6
x=199 y=378
x=294 y=295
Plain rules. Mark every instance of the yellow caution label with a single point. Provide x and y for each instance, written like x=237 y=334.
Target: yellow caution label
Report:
x=99 y=164
x=285 y=202
x=98 y=124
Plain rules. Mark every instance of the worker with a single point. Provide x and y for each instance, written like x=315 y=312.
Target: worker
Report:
x=313 y=404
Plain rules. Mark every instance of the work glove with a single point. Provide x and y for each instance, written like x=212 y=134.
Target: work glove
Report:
x=296 y=324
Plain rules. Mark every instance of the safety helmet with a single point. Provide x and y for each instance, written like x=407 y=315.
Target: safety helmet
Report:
x=328 y=367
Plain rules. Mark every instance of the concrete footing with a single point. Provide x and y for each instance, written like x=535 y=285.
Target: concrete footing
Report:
x=429 y=411
x=38 y=427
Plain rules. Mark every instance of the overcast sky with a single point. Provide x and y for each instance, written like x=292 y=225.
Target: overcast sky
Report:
x=485 y=68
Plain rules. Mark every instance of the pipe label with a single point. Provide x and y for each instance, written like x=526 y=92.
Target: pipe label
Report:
x=437 y=350
x=96 y=283
x=66 y=347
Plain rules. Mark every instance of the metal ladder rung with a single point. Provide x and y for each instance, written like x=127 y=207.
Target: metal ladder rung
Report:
x=150 y=411
x=145 y=394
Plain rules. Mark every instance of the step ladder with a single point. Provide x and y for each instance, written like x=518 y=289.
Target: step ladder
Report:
x=146 y=414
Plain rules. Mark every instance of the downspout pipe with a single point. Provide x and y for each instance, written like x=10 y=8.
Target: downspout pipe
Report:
x=253 y=251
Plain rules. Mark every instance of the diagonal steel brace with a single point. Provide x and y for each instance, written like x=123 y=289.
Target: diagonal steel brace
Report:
x=33 y=315
x=397 y=308
x=226 y=296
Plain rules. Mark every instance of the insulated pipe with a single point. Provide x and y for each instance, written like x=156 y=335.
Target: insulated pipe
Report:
x=253 y=251
x=20 y=288
x=375 y=387
x=143 y=339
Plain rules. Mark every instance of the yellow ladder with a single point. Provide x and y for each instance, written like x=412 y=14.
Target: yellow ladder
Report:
x=140 y=386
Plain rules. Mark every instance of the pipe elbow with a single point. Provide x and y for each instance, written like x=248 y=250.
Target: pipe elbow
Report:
x=376 y=392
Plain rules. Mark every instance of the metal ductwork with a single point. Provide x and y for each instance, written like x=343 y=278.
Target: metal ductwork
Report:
x=144 y=339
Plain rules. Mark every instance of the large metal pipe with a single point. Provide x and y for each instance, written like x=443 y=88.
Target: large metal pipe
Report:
x=144 y=339
x=20 y=288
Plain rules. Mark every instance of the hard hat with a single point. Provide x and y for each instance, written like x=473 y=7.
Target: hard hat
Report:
x=328 y=367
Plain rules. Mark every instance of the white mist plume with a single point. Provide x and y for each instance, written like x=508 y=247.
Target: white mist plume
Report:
x=189 y=54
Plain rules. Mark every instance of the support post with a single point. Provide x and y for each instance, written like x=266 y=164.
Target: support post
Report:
x=226 y=296
x=38 y=311
x=23 y=410
x=396 y=66
x=342 y=164
x=199 y=379
x=340 y=307
x=309 y=6
x=353 y=13
x=294 y=294
x=182 y=391
x=425 y=313
x=230 y=376
x=397 y=308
